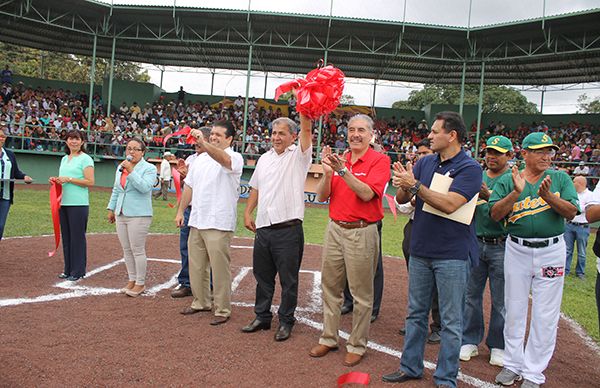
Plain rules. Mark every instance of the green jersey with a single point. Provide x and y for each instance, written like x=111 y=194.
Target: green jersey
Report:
x=484 y=224
x=531 y=216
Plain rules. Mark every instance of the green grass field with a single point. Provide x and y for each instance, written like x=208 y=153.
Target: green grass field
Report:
x=30 y=216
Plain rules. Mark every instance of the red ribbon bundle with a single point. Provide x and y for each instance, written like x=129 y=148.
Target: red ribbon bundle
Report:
x=354 y=378
x=318 y=94
x=55 y=198
x=183 y=131
x=177 y=183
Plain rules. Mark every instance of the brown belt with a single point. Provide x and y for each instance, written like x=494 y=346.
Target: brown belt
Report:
x=353 y=224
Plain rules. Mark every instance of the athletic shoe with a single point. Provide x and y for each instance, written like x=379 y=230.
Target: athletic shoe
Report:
x=507 y=377
x=468 y=351
x=497 y=357
x=434 y=338
x=529 y=384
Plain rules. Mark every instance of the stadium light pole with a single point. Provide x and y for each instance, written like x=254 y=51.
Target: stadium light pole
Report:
x=92 y=79
x=479 y=107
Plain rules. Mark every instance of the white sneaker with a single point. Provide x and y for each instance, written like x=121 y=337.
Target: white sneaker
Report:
x=497 y=357
x=468 y=351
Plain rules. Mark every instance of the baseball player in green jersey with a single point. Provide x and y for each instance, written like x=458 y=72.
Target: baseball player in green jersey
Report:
x=534 y=203
x=491 y=237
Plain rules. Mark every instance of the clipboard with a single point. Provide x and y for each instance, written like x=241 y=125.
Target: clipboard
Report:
x=464 y=214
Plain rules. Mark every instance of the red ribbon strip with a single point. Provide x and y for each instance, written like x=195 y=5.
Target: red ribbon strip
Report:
x=55 y=199
x=392 y=205
x=177 y=183
x=354 y=378
x=318 y=94
x=183 y=131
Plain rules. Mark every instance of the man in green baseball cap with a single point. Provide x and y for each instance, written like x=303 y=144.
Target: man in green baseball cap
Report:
x=491 y=237
x=538 y=140
x=534 y=204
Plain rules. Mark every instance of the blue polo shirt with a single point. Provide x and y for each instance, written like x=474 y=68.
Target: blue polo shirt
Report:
x=435 y=237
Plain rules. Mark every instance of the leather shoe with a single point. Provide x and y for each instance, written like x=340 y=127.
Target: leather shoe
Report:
x=398 y=377
x=181 y=292
x=63 y=276
x=283 y=333
x=219 y=321
x=352 y=359
x=402 y=331
x=256 y=325
x=346 y=309
x=189 y=311
x=373 y=318
x=321 y=350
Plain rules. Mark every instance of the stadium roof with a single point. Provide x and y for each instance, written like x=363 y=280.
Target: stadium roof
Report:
x=544 y=51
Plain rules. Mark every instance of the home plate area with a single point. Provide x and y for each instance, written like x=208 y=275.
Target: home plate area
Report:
x=60 y=333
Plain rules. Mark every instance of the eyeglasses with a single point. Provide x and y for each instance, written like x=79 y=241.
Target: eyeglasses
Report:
x=133 y=149
x=551 y=153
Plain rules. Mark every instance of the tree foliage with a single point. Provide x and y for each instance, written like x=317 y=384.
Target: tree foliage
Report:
x=495 y=98
x=588 y=105
x=65 y=67
x=347 y=99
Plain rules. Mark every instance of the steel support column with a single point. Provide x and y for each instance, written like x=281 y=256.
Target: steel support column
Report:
x=479 y=107
x=92 y=79
x=542 y=101
x=212 y=82
x=462 y=89
x=246 y=99
x=373 y=99
x=266 y=82
x=320 y=131
x=110 y=77
x=162 y=72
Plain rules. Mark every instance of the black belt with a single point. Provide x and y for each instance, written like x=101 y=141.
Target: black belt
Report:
x=285 y=224
x=578 y=223
x=535 y=244
x=492 y=240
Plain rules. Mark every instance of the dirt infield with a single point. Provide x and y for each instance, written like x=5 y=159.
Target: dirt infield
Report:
x=55 y=333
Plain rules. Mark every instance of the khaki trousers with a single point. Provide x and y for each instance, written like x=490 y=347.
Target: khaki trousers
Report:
x=348 y=254
x=209 y=248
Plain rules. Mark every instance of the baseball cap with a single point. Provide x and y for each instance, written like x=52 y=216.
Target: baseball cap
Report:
x=499 y=143
x=537 y=140
x=167 y=154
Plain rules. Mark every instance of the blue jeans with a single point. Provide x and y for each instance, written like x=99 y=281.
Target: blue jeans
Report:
x=4 y=207
x=491 y=265
x=450 y=276
x=580 y=234
x=184 y=275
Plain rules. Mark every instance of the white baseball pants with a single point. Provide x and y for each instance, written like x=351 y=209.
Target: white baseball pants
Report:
x=541 y=272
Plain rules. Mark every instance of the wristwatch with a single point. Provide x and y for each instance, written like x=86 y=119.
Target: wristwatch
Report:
x=413 y=190
x=342 y=172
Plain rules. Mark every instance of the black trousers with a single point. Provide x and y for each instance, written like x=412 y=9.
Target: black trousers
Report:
x=436 y=325
x=73 y=225
x=598 y=296
x=377 y=281
x=277 y=251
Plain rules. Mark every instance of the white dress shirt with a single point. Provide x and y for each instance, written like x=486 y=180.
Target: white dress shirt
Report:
x=280 y=181
x=215 y=192
x=594 y=200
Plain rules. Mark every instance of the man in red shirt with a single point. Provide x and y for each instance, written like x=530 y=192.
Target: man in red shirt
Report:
x=354 y=185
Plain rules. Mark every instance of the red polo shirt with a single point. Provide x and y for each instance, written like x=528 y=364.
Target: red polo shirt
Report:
x=373 y=169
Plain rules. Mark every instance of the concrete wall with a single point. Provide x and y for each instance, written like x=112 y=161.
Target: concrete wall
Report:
x=55 y=84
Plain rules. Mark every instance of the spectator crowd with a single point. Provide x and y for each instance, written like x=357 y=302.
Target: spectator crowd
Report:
x=39 y=119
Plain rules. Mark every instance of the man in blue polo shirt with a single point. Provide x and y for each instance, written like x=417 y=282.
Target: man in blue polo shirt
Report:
x=440 y=249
